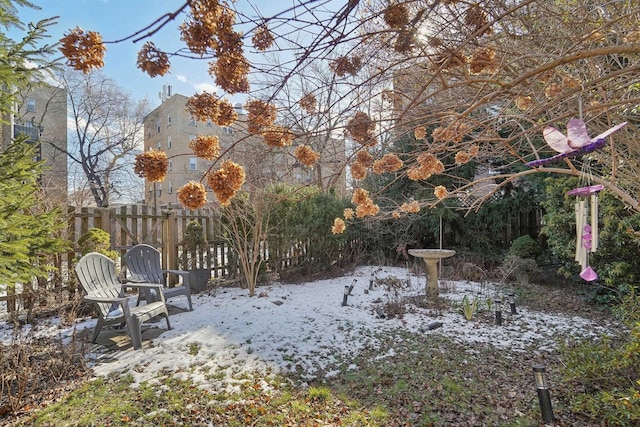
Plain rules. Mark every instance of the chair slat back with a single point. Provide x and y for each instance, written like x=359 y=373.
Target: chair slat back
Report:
x=97 y=275
x=144 y=261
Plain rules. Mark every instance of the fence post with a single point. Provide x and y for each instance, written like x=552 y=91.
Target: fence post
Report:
x=170 y=237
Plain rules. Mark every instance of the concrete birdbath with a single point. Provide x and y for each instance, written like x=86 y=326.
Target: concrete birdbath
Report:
x=431 y=258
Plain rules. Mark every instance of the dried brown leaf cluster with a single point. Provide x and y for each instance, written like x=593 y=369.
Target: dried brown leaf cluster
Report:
x=476 y=19
x=361 y=128
x=364 y=158
x=367 y=209
x=358 y=170
x=553 y=90
x=483 y=60
x=420 y=132
x=262 y=38
x=455 y=132
x=205 y=146
x=206 y=106
x=277 y=136
x=83 y=50
x=388 y=163
x=226 y=181
x=192 y=195
x=440 y=192
x=344 y=65
x=338 y=226
x=348 y=213
x=462 y=157
x=410 y=207
x=306 y=155
x=153 y=61
x=428 y=165
x=260 y=114
x=364 y=203
x=231 y=72
x=209 y=28
x=152 y=165
x=524 y=102
x=308 y=103
x=396 y=15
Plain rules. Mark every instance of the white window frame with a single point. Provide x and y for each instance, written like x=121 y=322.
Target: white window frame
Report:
x=193 y=163
x=168 y=142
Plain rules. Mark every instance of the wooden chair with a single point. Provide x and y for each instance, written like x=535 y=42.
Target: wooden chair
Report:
x=97 y=275
x=144 y=263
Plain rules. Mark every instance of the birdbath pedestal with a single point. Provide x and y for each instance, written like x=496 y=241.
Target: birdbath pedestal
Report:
x=431 y=258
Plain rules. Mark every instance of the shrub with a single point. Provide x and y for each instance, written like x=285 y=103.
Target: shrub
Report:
x=606 y=374
x=525 y=247
x=97 y=240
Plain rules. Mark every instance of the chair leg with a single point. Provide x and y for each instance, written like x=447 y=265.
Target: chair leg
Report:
x=166 y=316
x=96 y=330
x=135 y=332
x=189 y=299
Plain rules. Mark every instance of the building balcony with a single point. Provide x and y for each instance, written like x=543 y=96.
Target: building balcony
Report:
x=33 y=133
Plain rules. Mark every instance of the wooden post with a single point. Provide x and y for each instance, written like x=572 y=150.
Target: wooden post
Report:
x=170 y=241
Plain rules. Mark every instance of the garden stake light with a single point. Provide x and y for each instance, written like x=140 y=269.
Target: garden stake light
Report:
x=496 y=303
x=352 y=285
x=544 y=397
x=512 y=303
x=345 y=296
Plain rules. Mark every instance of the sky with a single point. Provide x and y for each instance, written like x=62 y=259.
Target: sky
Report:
x=288 y=327
x=117 y=19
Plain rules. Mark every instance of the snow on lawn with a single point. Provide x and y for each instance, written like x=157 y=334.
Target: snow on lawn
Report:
x=305 y=327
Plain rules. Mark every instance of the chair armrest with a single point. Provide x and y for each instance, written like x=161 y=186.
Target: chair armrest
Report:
x=105 y=299
x=134 y=279
x=178 y=272
x=148 y=286
x=144 y=285
x=185 y=277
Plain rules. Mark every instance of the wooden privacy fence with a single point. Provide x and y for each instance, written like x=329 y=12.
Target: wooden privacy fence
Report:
x=134 y=224
x=161 y=228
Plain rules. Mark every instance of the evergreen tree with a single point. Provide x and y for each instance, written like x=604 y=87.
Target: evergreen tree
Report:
x=28 y=230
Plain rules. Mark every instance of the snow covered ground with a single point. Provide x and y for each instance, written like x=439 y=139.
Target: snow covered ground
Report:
x=305 y=327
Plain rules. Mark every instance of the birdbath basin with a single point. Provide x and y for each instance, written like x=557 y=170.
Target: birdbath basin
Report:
x=431 y=258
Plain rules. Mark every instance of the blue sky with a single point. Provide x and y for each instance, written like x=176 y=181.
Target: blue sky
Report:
x=116 y=19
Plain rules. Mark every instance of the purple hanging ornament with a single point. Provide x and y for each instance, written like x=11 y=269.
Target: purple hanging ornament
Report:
x=589 y=274
x=586 y=237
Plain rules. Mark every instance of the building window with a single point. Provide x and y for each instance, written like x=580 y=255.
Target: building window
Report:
x=192 y=120
x=159 y=190
x=209 y=122
x=170 y=167
x=158 y=144
x=169 y=142
x=31 y=105
x=193 y=163
x=170 y=190
x=227 y=130
x=158 y=126
x=168 y=119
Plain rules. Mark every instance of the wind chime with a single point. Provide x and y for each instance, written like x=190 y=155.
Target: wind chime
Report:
x=586 y=227
x=577 y=142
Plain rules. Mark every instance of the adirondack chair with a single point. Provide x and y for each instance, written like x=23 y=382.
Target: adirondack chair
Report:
x=97 y=275
x=143 y=261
